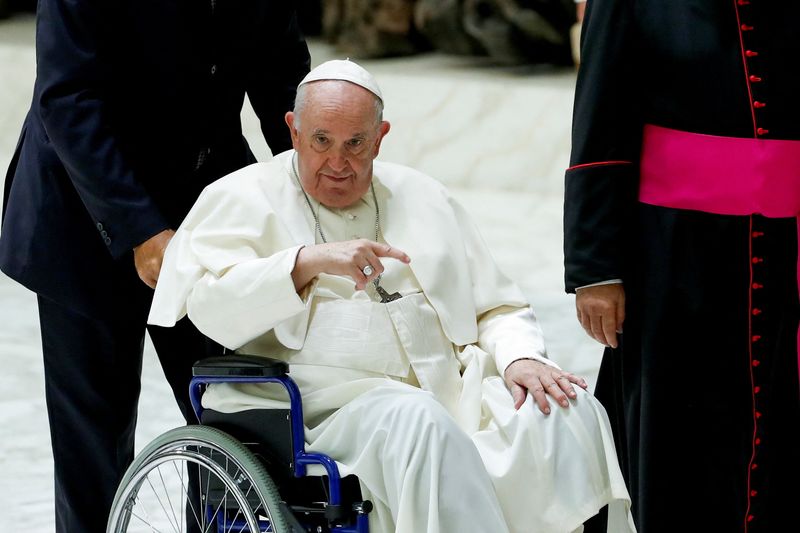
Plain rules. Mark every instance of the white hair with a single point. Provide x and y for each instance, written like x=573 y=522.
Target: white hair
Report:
x=301 y=100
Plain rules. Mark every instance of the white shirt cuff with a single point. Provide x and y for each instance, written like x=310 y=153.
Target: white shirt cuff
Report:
x=607 y=282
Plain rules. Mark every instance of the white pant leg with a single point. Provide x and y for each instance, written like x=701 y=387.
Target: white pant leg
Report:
x=421 y=471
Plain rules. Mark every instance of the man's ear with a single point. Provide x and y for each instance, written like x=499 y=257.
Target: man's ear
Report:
x=383 y=129
x=289 y=118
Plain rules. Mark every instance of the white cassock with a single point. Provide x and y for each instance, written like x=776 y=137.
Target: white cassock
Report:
x=407 y=395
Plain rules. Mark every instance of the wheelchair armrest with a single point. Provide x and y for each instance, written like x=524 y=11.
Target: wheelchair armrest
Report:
x=240 y=365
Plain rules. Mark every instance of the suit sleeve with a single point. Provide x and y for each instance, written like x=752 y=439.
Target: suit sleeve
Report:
x=277 y=67
x=72 y=73
x=602 y=181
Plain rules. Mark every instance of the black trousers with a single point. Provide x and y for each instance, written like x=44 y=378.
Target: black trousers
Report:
x=92 y=383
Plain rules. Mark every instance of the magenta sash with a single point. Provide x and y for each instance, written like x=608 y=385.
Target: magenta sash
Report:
x=721 y=175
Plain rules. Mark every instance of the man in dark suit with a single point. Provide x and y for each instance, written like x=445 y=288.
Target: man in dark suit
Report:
x=136 y=108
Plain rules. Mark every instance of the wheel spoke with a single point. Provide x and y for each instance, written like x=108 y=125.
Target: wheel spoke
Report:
x=169 y=501
x=158 y=499
x=146 y=522
x=185 y=488
x=219 y=507
x=231 y=487
x=224 y=499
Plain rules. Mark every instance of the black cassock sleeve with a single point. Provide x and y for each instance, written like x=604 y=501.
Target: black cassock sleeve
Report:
x=601 y=183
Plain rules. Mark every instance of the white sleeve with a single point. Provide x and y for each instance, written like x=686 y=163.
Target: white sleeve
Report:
x=229 y=266
x=606 y=282
x=507 y=326
x=512 y=333
x=247 y=300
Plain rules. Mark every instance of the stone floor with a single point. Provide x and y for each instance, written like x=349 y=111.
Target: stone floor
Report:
x=497 y=136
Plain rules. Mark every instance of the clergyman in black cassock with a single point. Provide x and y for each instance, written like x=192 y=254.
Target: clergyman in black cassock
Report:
x=702 y=383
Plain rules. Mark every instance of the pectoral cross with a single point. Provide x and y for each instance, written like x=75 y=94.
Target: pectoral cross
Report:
x=385 y=296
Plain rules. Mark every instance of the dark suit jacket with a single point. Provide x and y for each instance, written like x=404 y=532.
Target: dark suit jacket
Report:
x=136 y=108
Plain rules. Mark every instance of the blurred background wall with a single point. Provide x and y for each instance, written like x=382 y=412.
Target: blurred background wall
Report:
x=509 y=31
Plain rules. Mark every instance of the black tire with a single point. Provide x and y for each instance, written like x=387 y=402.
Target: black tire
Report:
x=225 y=480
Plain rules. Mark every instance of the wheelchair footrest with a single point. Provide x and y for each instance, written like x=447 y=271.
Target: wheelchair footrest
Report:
x=333 y=513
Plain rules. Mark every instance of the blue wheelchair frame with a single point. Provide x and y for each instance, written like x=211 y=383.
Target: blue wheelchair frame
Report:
x=301 y=457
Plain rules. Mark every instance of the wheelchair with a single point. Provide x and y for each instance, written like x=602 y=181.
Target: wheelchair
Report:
x=238 y=472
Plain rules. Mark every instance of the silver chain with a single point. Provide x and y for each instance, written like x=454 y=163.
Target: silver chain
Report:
x=318 y=228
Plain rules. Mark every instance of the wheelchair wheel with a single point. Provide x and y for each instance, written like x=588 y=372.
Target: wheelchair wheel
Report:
x=196 y=479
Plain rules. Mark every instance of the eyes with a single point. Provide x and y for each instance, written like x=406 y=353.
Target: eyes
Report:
x=322 y=142
x=354 y=143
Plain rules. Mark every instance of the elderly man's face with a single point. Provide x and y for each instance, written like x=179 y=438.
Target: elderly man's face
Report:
x=337 y=139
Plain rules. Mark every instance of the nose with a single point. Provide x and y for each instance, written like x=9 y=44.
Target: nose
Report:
x=337 y=161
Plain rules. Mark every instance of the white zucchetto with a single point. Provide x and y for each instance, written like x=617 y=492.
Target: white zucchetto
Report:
x=346 y=70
